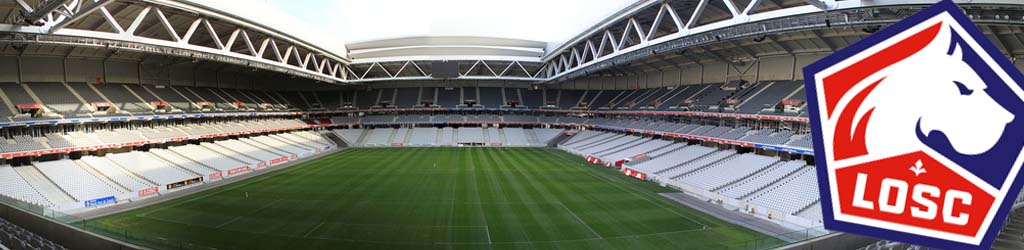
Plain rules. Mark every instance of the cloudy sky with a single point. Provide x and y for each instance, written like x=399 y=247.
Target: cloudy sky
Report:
x=333 y=23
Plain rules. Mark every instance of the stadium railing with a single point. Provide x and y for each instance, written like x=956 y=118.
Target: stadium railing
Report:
x=780 y=240
x=56 y=227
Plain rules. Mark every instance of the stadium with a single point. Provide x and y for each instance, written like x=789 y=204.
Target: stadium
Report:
x=664 y=124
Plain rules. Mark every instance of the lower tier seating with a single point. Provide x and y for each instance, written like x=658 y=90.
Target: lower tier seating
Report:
x=70 y=185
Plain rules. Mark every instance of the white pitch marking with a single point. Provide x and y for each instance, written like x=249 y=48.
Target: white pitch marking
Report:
x=580 y=220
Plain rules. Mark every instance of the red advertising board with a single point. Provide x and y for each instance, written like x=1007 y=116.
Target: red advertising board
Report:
x=634 y=174
x=149 y=191
x=238 y=170
x=278 y=160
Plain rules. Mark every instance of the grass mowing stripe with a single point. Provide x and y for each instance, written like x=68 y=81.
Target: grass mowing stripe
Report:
x=318 y=225
x=474 y=198
x=483 y=214
x=580 y=220
x=642 y=195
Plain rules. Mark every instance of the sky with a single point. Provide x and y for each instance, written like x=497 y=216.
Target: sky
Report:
x=332 y=23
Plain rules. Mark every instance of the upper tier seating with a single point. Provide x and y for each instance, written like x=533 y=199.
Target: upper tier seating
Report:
x=123 y=99
x=59 y=99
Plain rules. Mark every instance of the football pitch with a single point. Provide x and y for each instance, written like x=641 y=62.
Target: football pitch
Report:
x=429 y=198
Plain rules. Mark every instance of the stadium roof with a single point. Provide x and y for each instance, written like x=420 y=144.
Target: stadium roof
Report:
x=334 y=24
x=446 y=48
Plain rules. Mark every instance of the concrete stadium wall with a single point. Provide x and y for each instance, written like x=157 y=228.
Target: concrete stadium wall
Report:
x=59 y=233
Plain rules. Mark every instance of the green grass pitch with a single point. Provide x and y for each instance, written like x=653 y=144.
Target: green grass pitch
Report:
x=429 y=198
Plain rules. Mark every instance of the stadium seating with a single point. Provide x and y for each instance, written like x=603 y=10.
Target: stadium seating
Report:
x=644 y=147
x=494 y=136
x=183 y=162
x=542 y=136
x=150 y=168
x=76 y=181
x=290 y=148
x=694 y=164
x=726 y=172
x=470 y=135
x=423 y=137
x=12 y=185
x=351 y=136
x=447 y=137
x=791 y=195
x=59 y=99
x=379 y=137
x=515 y=137
x=740 y=133
x=207 y=157
x=120 y=96
x=399 y=136
x=116 y=173
x=17 y=238
x=761 y=180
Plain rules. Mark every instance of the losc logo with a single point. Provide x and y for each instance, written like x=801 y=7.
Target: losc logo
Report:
x=919 y=132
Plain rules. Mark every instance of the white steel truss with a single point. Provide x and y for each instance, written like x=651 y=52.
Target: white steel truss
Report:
x=246 y=43
x=412 y=70
x=633 y=30
x=188 y=30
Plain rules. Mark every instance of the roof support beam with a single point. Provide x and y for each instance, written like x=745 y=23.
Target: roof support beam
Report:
x=821 y=4
x=44 y=9
x=821 y=38
x=84 y=8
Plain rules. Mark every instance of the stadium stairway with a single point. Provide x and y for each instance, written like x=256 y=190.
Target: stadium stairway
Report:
x=1012 y=234
x=336 y=139
x=107 y=178
x=531 y=137
x=561 y=138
